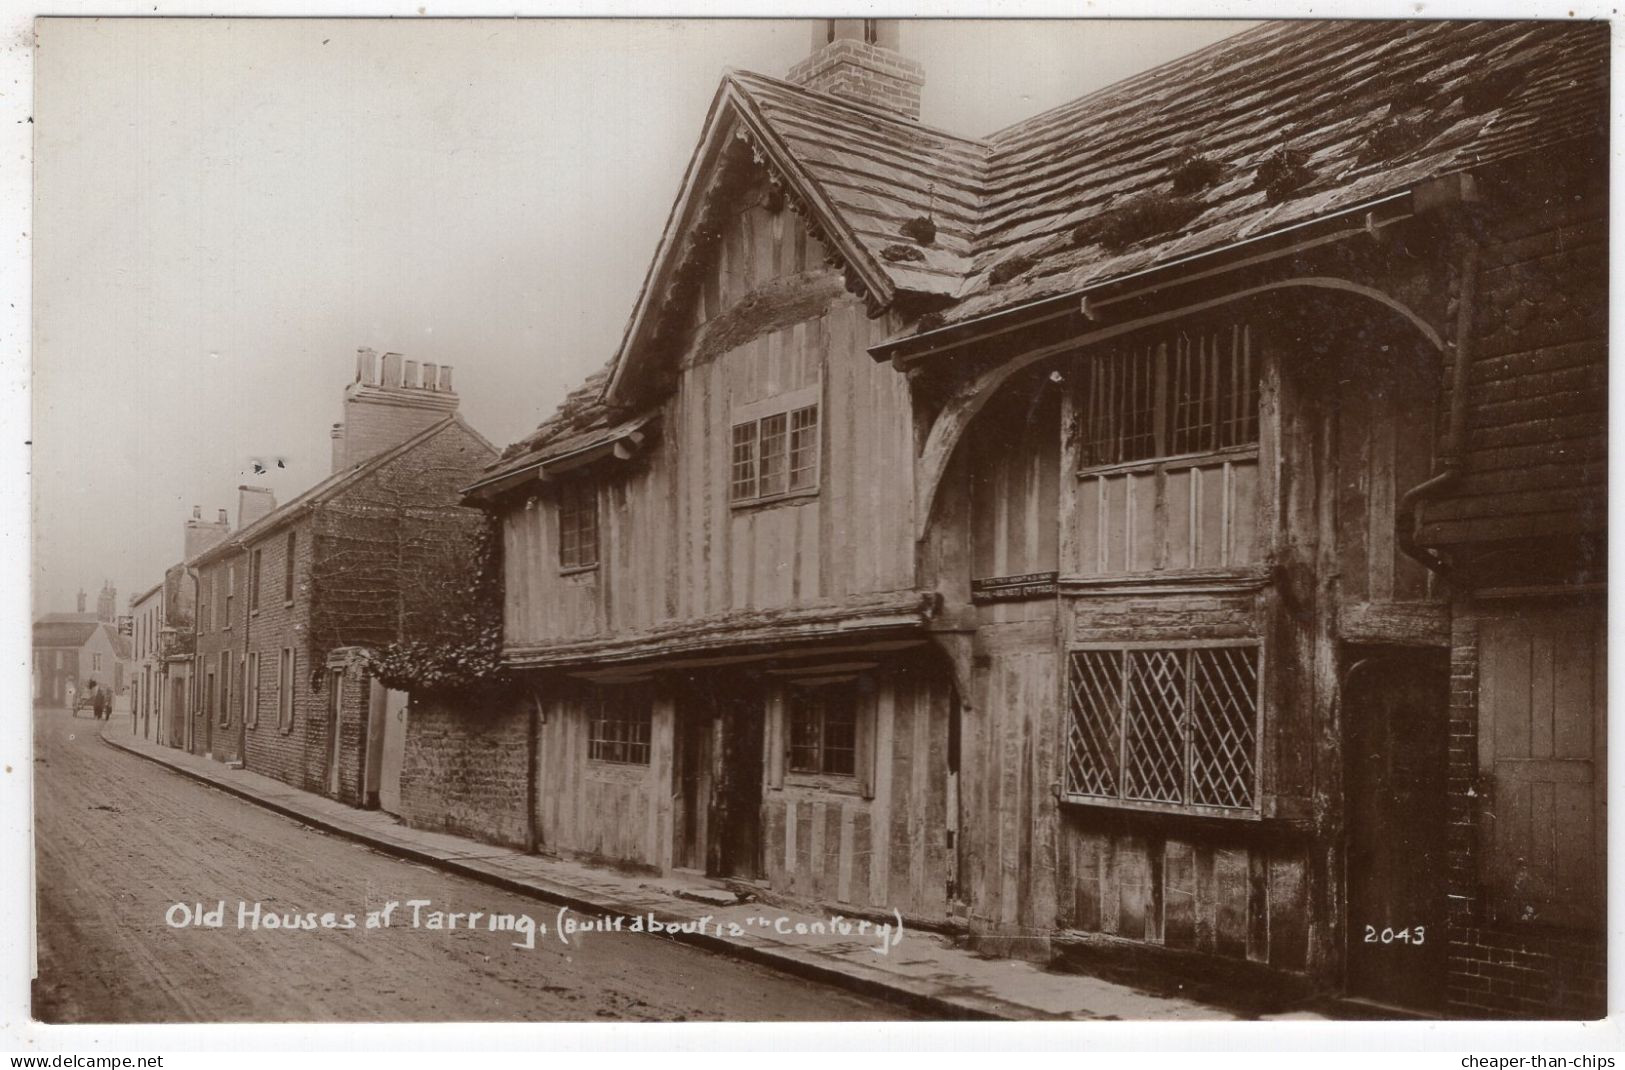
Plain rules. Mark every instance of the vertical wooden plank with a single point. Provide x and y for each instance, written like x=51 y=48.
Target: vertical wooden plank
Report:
x=1573 y=693
x=1206 y=899
x=1380 y=510
x=844 y=866
x=1244 y=514
x=1230 y=885
x=1111 y=889
x=1179 y=895
x=1289 y=913
x=880 y=809
x=812 y=876
x=1117 y=510
x=1505 y=670
x=921 y=808
x=1133 y=901
x=790 y=832
x=829 y=864
x=1086 y=890
x=1258 y=905
x=861 y=886
x=1542 y=692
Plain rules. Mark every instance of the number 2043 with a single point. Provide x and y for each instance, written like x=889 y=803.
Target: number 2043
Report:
x=1416 y=934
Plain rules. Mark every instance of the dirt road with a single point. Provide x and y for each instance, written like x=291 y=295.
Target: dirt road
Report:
x=120 y=841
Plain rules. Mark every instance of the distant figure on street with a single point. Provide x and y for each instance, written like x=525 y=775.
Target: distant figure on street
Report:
x=98 y=703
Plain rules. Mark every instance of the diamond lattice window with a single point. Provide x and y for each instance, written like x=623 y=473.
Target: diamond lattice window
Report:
x=1170 y=726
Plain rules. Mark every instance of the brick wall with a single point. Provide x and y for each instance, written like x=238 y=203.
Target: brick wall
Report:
x=864 y=72
x=215 y=731
x=1499 y=970
x=296 y=753
x=466 y=769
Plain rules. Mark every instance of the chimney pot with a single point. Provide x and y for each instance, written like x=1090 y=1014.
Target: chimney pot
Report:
x=197 y=512
x=220 y=518
x=392 y=371
x=445 y=379
x=431 y=376
x=366 y=366
x=411 y=378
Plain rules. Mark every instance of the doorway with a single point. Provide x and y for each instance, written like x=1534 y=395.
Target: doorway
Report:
x=717 y=826
x=1395 y=709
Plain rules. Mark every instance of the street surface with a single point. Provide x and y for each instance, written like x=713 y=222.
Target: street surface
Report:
x=119 y=841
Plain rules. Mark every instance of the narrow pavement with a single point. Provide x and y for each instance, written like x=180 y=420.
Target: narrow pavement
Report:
x=120 y=841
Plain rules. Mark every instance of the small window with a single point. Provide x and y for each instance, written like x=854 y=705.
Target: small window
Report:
x=1191 y=395
x=774 y=455
x=204 y=618
x=578 y=524
x=251 y=711
x=231 y=593
x=288 y=566
x=620 y=730
x=95 y=663
x=254 y=560
x=284 y=684
x=208 y=693
x=824 y=729
x=1177 y=727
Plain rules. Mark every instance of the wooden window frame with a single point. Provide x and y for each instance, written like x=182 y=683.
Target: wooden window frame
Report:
x=231 y=594
x=576 y=510
x=225 y=689
x=631 y=739
x=786 y=430
x=1121 y=799
x=256 y=571
x=849 y=701
x=1170 y=401
x=286 y=675
x=289 y=566
x=251 y=699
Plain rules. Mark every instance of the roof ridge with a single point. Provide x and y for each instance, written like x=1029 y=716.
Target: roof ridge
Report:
x=859 y=106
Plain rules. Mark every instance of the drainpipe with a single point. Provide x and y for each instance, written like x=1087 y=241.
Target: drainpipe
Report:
x=1452 y=462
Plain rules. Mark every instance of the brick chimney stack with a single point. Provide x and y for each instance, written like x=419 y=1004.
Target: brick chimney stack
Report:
x=253 y=503
x=200 y=534
x=81 y=603
x=391 y=400
x=858 y=59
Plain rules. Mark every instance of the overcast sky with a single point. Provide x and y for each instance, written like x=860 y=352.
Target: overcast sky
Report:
x=226 y=209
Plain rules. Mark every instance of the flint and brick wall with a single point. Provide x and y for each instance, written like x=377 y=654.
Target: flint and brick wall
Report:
x=466 y=769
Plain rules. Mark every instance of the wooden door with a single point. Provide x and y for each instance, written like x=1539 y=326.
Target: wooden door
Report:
x=692 y=805
x=1395 y=708
x=393 y=753
x=1542 y=729
x=736 y=811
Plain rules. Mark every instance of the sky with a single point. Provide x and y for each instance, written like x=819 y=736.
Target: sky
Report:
x=226 y=209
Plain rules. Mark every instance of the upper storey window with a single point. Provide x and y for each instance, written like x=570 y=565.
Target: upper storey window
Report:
x=774 y=449
x=578 y=525
x=1179 y=397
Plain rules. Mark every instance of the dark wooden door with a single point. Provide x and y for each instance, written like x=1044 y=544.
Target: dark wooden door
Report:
x=693 y=801
x=737 y=815
x=1396 y=745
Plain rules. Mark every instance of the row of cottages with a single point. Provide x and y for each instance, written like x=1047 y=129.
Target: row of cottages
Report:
x=284 y=612
x=1169 y=528
x=162 y=633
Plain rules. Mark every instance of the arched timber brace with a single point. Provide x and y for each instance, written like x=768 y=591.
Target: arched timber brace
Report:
x=967 y=401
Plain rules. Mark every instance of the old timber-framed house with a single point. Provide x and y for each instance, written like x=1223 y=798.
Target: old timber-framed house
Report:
x=1169 y=527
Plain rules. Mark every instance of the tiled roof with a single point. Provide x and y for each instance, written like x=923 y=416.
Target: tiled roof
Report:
x=64 y=633
x=1340 y=113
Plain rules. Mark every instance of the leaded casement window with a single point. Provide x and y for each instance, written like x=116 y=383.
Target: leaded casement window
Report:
x=620 y=730
x=774 y=455
x=1192 y=394
x=1176 y=727
x=824 y=729
x=578 y=524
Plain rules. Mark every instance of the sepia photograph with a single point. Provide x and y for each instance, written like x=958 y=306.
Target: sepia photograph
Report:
x=822 y=519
